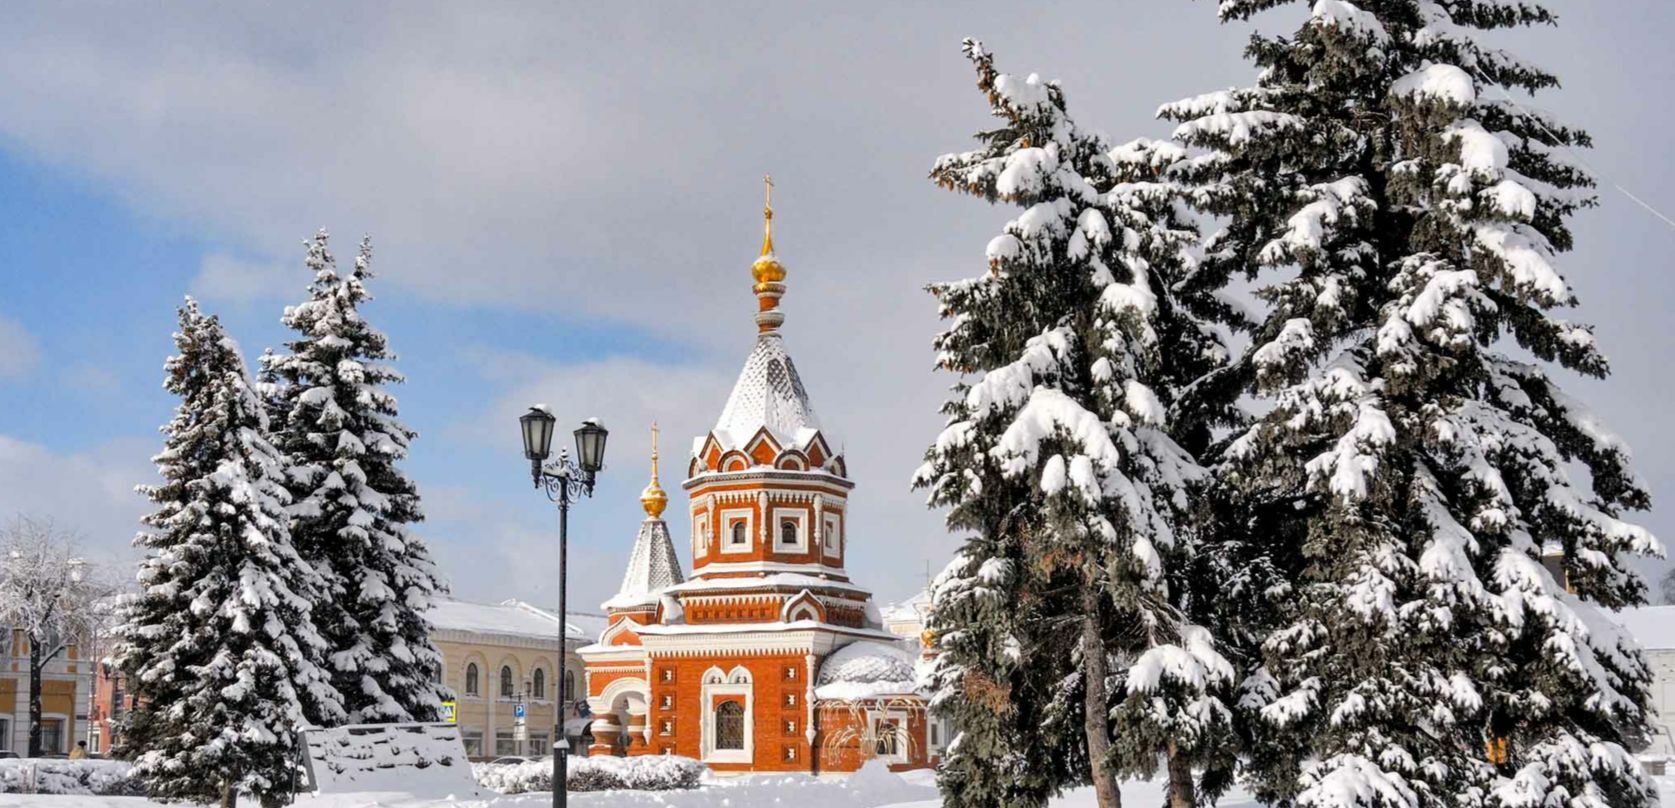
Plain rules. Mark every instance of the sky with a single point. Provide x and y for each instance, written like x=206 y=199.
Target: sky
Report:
x=565 y=200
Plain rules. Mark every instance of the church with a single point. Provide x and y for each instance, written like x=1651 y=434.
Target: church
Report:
x=768 y=657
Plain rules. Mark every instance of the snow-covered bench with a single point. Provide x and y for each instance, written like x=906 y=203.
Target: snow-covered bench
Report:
x=421 y=759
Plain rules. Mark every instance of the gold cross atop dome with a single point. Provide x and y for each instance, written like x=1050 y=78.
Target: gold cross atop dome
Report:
x=653 y=499
x=768 y=271
x=767 y=268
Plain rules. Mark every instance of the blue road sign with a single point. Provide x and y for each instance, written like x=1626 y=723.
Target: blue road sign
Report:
x=517 y=711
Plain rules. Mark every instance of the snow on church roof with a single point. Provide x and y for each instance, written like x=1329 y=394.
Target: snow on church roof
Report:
x=865 y=669
x=770 y=394
x=652 y=567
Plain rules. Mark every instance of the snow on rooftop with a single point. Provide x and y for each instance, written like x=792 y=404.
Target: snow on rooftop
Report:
x=1652 y=626
x=512 y=618
x=770 y=394
x=796 y=580
x=867 y=669
x=652 y=567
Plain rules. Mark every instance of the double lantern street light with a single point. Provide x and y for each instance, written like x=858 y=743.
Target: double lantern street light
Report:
x=563 y=480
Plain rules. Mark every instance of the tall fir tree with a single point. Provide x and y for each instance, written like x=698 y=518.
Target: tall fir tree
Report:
x=219 y=645
x=1065 y=654
x=337 y=424
x=1403 y=215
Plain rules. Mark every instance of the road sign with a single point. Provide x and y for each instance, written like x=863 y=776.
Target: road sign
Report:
x=517 y=711
x=450 y=711
x=520 y=733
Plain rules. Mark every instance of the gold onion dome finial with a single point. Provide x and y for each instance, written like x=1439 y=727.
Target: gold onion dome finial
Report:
x=767 y=268
x=768 y=271
x=653 y=499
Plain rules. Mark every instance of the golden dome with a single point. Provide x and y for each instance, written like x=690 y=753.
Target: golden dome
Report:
x=653 y=499
x=767 y=268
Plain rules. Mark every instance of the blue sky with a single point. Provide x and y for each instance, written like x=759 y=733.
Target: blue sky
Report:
x=565 y=202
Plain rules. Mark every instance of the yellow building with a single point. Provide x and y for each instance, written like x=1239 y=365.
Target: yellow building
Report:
x=65 y=689
x=497 y=656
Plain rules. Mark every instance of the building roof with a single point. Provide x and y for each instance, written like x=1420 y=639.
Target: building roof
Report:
x=768 y=394
x=866 y=669
x=914 y=609
x=652 y=566
x=511 y=618
x=1652 y=626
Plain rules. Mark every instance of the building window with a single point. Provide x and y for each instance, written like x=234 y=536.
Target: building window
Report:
x=52 y=735
x=539 y=687
x=787 y=531
x=830 y=534
x=668 y=702
x=473 y=739
x=740 y=536
x=790 y=728
x=887 y=737
x=538 y=745
x=790 y=753
x=729 y=726
x=507 y=690
x=790 y=699
x=790 y=673
x=504 y=744
x=668 y=728
x=668 y=674
x=569 y=685
x=5 y=734
x=5 y=642
x=472 y=687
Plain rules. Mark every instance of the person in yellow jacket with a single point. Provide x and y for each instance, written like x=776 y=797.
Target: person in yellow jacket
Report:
x=80 y=751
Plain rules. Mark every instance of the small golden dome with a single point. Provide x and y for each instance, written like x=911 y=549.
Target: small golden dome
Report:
x=653 y=499
x=767 y=268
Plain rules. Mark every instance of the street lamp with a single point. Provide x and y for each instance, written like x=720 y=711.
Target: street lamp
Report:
x=562 y=480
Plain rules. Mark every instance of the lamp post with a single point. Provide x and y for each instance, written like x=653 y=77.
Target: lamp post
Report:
x=562 y=480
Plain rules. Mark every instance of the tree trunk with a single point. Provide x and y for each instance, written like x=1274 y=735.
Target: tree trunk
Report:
x=1181 y=791
x=1094 y=713
x=35 y=666
x=229 y=795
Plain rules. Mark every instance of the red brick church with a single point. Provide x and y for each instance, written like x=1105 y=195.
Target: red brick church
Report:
x=768 y=658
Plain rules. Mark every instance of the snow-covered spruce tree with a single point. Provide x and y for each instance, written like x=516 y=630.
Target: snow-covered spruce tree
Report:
x=219 y=644
x=1404 y=218
x=1064 y=658
x=338 y=427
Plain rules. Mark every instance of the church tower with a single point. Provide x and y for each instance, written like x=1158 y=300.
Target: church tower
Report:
x=768 y=658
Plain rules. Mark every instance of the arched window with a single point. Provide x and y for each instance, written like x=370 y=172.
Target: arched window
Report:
x=788 y=531
x=506 y=689
x=729 y=725
x=569 y=685
x=540 y=684
x=739 y=536
x=472 y=688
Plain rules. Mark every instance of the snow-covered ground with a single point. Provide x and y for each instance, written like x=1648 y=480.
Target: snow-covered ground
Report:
x=865 y=790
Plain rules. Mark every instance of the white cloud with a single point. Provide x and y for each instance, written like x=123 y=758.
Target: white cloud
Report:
x=90 y=493
x=224 y=278
x=19 y=352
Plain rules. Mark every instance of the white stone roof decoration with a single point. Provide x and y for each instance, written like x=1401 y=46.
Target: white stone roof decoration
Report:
x=866 y=669
x=770 y=394
x=652 y=567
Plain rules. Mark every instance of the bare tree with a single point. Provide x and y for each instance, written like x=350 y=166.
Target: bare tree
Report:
x=48 y=592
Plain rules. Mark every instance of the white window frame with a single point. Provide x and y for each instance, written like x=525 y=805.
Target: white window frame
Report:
x=796 y=515
x=736 y=682
x=831 y=535
x=903 y=739
x=731 y=517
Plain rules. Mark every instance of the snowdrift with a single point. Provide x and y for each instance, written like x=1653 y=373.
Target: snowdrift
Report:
x=643 y=773
x=72 y=777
